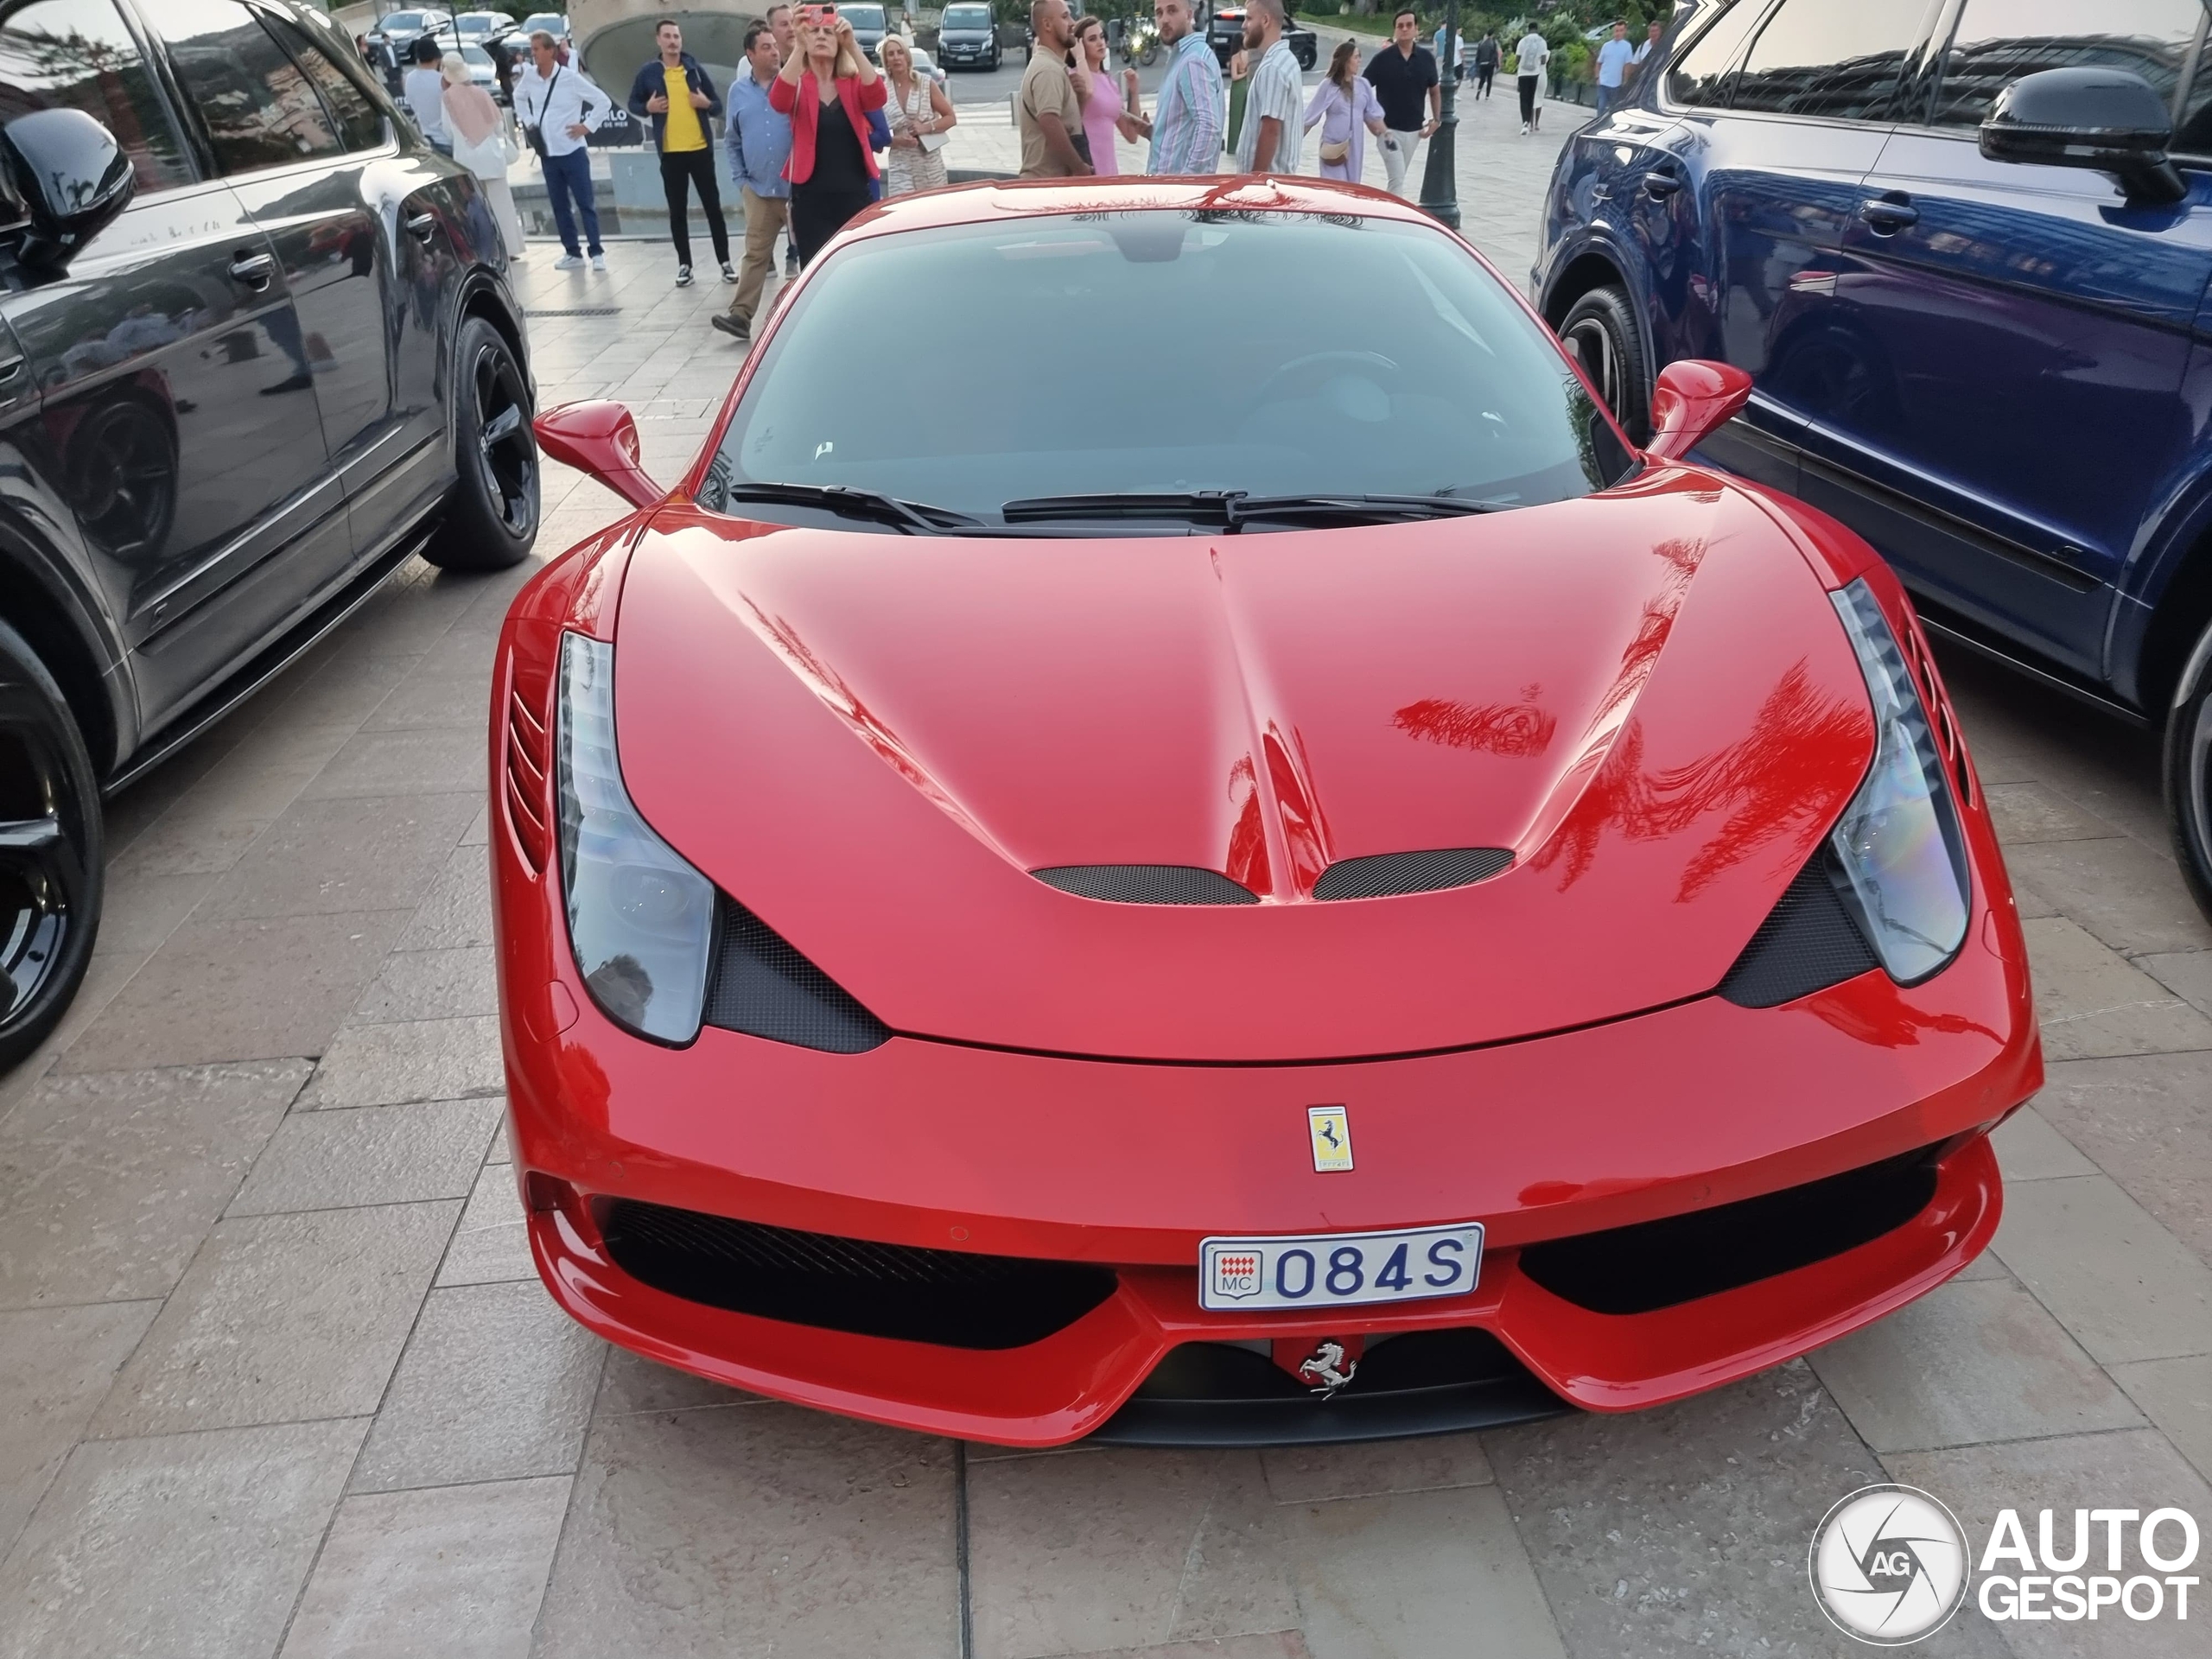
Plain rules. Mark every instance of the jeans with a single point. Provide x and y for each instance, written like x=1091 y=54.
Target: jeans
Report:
x=680 y=171
x=568 y=176
x=1607 y=96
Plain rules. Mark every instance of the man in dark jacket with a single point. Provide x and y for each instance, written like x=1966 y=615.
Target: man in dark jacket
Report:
x=676 y=92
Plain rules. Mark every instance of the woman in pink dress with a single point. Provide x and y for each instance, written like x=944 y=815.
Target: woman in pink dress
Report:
x=1345 y=106
x=1097 y=92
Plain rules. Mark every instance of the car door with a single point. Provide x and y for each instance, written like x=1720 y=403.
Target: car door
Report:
x=176 y=417
x=2034 y=326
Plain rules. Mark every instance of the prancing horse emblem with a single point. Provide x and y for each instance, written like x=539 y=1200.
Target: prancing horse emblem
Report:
x=1326 y=1370
x=1331 y=1130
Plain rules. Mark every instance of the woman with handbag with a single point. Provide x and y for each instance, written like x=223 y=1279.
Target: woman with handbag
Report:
x=827 y=87
x=480 y=145
x=920 y=115
x=1346 y=110
x=1100 y=96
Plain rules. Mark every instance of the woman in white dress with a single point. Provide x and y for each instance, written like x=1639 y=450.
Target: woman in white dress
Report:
x=480 y=145
x=920 y=115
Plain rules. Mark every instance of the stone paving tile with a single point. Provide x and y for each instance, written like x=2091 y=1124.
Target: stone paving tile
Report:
x=105 y=976
x=413 y=985
x=281 y=1318
x=422 y=1059
x=1967 y=1363
x=458 y=698
x=755 y=1529
x=2124 y=1287
x=203 y=832
x=55 y=1363
x=2129 y=895
x=2137 y=1469
x=139 y=910
x=357 y=1155
x=2027 y=812
x=492 y=1244
x=1306 y=1474
x=630 y=1382
x=1275 y=1645
x=327 y=856
x=2187 y=973
x=257 y=987
x=412 y=762
x=496 y=1385
x=110 y=1181
x=2028 y=1149
x=2092 y=1002
x=446 y=1570
x=2146 y=1120
x=1124 y=1549
x=182 y=1546
x=456 y=913
x=2175 y=1394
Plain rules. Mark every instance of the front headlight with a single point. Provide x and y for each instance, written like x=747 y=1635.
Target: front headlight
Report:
x=1899 y=840
x=641 y=920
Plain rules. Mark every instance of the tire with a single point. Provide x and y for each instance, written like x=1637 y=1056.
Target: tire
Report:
x=490 y=519
x=2188 y=772
x=1600 y=330
x=52 y=851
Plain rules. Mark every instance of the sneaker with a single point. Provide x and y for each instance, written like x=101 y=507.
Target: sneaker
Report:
x=599 y=262
x=1524 y=129
x=729 y=271
x=575 y=261
x=683 y=276
x=736 y=327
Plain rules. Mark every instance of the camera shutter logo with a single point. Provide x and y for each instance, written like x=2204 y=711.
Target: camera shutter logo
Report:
x=1888 y=1566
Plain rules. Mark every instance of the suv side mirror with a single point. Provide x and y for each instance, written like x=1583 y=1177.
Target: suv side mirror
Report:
x=1693 y=399
x=73 y=177
x=2108 y=120
x=599 y=438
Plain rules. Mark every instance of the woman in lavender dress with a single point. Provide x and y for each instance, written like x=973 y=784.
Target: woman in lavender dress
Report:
x=1346 y=107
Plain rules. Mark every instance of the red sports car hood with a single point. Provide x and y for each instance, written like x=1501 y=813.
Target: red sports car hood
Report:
x=872 y=740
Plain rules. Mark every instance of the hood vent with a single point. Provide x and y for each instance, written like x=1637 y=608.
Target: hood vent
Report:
x=760 y=985
x=1387 y=875
x=1147 y=884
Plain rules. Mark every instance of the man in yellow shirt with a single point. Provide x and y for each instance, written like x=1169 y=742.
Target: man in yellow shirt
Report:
x=678 y=94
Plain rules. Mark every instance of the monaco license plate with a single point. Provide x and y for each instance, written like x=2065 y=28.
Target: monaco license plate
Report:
x=1339 y=1270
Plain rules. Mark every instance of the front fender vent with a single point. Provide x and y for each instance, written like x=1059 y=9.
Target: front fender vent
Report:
x=1806 y=943
x=527 y=762
x=1147 y=884
x=761 y=985
x=1388 y=875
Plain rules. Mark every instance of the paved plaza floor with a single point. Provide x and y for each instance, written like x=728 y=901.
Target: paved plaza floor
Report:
x=276 y=1375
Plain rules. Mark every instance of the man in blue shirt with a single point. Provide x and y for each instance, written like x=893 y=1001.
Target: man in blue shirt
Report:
x=759 y=143
x=1613 y=59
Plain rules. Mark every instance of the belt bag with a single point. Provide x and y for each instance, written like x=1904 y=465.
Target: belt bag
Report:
x=1336 y=152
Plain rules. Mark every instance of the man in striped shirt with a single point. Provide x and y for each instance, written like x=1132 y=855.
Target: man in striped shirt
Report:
x=1274 y=108
x=1185 y=125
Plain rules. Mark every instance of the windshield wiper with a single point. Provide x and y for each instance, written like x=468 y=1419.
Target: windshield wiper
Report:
x=1233 y=509
x=909 y=515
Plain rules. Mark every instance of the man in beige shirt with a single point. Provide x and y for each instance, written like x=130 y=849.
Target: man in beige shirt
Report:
x=1048 y=114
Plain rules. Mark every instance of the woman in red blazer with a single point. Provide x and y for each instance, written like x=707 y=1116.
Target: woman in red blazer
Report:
x=827 y=88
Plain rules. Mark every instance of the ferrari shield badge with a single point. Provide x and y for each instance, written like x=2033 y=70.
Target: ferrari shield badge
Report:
x=1331 y=1131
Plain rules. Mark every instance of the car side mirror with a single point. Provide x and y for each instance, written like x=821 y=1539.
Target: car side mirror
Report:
x=2108 y=120
x=72 y=177
x=600 y=438
x=1693 y=400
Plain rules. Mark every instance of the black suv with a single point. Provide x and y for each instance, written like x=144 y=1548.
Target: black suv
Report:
x=257 y=348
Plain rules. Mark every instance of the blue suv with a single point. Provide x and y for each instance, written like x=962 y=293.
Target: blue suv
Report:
x=1963 y=248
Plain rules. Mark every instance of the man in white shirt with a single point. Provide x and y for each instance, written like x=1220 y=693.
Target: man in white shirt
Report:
x=1275 y=106
x=1530 y=58
x=424 y=89
x=1613 y=59
x=560 y=102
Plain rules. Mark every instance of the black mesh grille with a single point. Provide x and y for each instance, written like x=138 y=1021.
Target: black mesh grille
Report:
x=1808 y=943
x=1389 y=874
x=760 y=985
x=1664 y=1264
x=948 y=1297
x=1147 y=884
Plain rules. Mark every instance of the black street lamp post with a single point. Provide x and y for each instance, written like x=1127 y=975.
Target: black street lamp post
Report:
x=1439 y=185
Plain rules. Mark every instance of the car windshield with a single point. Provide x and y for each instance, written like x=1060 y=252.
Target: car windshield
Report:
x=966 y=17
x=403 y=20
x=1165 y=354
x=862 y=16
x=550 y=21
x=477 y=57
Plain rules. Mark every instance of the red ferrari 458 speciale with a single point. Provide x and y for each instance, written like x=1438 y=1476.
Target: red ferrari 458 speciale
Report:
x=1221 y=858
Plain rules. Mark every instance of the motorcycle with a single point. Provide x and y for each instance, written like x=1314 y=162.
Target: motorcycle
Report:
x=1140 y=43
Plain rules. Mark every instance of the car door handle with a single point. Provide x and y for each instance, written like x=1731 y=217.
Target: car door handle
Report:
x=1660 y=186
x=9 y=370
x=421 y=225
x=254 y=270
x=1886 y=218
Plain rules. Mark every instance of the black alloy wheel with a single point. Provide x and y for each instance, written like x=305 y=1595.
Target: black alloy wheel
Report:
x=51 y=855
x=121 y=463
x=491 y=515
x=1600 y=330
x=2189 y=771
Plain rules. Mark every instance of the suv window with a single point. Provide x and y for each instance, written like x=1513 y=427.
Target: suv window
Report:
x=1696 y=75
x=1997 y=41
x=359 y=124
x=1817 y=57
x=259 y=108
x=77 y=54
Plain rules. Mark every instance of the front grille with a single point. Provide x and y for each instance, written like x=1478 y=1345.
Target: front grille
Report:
x=1664 y=1264
x=759 y=984
x=1387 y=875
x=952 y=1297
x=1147 y=884
x=1808 y=943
